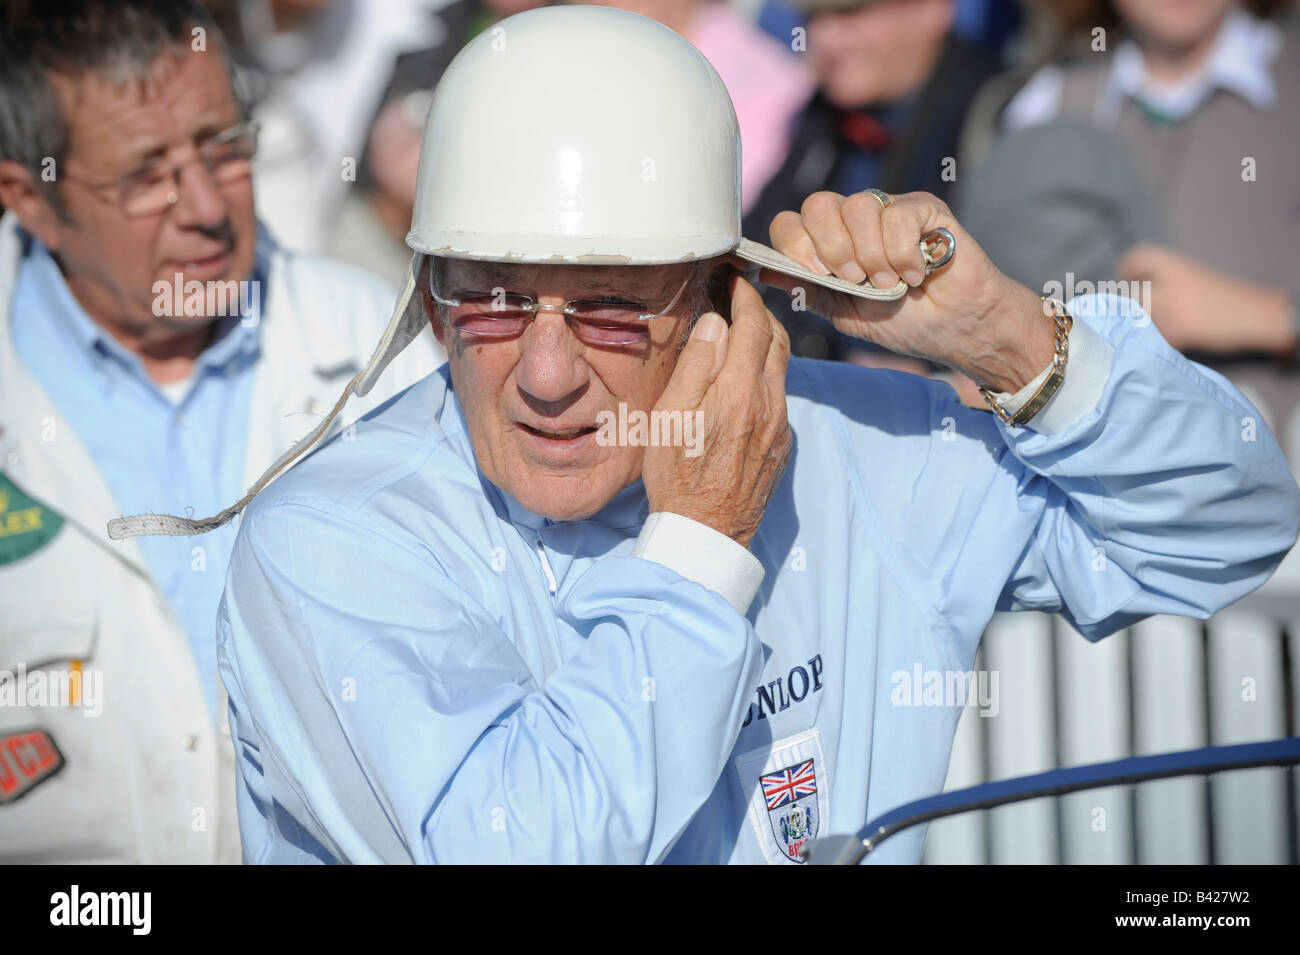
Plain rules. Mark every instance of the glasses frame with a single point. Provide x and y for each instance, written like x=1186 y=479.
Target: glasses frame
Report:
x=205 y=156
x=569 y=309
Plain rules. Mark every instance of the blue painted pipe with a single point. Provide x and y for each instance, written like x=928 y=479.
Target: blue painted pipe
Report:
x=1135 y=769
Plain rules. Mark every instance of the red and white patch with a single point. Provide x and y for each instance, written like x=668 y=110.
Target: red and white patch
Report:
x=27 y=759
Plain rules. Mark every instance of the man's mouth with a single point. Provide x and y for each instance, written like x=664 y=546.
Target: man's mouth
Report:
x=204 y=267
x=564 y=434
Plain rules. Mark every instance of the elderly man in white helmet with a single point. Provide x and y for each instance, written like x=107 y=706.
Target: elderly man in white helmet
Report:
x=519 y=616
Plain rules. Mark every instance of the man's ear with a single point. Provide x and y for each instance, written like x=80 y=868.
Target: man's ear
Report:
x=430 y=307
x=22 y=194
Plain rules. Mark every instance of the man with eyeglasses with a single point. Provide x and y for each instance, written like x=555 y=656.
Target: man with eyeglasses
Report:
x=156 y=347
x=491 y=630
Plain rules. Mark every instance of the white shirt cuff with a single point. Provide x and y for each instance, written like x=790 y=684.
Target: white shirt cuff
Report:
x=699 y=553
x=1086 y=372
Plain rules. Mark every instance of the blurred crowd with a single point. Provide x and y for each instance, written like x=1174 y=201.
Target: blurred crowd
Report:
x=1144 y=143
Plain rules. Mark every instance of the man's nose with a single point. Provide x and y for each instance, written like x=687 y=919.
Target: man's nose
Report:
x=200 y=203
x=551 y=367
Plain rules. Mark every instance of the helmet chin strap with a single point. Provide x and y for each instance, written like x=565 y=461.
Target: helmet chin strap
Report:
x=406 y=324
x=403 y=328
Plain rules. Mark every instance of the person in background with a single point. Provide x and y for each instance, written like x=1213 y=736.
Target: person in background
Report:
x=1194 y=106
x=893 y=83
x=374 y=215
x=314 y=71
x=997 y=24
x=157 y=347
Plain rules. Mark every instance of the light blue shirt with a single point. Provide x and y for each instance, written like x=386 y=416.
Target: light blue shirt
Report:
x=154 y=454
x=421 y=670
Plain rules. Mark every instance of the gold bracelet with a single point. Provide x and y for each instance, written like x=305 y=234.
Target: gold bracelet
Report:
x=1064 y=322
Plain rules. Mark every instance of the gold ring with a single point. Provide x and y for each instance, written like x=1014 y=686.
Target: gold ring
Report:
x=885 y=199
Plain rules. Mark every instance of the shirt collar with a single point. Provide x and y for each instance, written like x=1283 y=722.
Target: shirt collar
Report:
x=1240 y=62
x=627 y=510
x=232 y=339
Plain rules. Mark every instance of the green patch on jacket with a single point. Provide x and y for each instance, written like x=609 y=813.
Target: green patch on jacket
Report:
x=26 y=525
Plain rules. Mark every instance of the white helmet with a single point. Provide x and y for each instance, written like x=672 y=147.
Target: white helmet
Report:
x=581 y=135
x=570 y=134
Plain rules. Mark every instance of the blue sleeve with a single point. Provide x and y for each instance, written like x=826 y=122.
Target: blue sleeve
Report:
x=380 y=714
x=1171 y=496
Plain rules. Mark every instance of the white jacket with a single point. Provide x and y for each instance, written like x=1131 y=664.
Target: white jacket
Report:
x=149 y=779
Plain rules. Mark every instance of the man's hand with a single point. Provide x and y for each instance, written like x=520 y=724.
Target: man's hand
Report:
x=736 y=377
x=966 y=315
x=1197 y=307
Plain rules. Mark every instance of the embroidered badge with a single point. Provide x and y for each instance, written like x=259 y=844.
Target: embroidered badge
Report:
x=792 y=814
x=788 y=791
x=26 y=525
x=27 y=759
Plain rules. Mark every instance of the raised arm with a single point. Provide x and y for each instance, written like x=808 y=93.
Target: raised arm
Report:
x=1147 y=484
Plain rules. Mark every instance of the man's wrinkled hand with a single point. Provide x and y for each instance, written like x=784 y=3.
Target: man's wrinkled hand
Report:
x=735 y=376
x=966 y=315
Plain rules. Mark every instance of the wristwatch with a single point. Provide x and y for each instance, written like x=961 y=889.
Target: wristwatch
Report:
x=1056 y=375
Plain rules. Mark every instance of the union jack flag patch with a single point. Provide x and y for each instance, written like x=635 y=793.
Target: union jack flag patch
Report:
x=791 y=797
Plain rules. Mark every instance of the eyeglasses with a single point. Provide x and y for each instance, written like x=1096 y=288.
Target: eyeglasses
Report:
x=228 y=157
x=499 y=315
